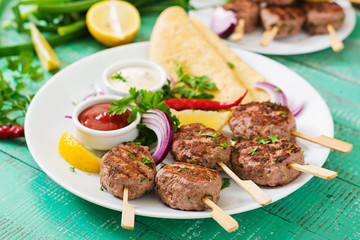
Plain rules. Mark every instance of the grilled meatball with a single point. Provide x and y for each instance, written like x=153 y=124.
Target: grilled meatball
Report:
x=320 y=14
x=266 y=164
x=197 y=144
x=288 y=19
x=276 y=2
x=128 y=165
x=183 y=185
x=262 y=120
x=247 y=10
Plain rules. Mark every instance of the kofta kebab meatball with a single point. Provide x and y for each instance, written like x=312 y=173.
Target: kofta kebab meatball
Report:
x=197 y=144
x=183 y=185
x=262 y=120
x=320 y=14
x=247 y=10
x=128 y=165
x=265 y=161
x=289 y=20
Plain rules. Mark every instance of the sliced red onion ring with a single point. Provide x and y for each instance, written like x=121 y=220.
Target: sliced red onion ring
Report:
x=223 y=22
x=161 y=124
x=68 y=116
x=98 y=91
x=278 y=96
x=297 y=109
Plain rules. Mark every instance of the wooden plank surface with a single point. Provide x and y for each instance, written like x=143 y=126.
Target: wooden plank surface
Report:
x=32 y=206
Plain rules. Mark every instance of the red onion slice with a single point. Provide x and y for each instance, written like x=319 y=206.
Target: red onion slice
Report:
x=223 y=22
x=161 y=124
x=278 y=96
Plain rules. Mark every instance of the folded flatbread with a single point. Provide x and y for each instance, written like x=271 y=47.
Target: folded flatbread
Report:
x=177 y=40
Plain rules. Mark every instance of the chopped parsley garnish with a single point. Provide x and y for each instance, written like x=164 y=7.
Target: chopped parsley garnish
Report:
x=72 y=169
x=146 y=160
x=272 y=139
x=284 y=113
x=210 y=196
x=277 y=90
x=163 y=165
x=219 y=153
x=231 y=65
x=118 y=76
x=224 y=145
x=252 y=152
x=273 y=106
x=131 y=151
x=180 y=169
x=143 y=178
x=188 y=197
x=226 y=183
x=109 y=184
x=101 y=188
x=213 y=135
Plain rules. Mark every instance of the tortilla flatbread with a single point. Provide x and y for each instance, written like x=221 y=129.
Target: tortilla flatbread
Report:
x=244 y=73
x=175 y=39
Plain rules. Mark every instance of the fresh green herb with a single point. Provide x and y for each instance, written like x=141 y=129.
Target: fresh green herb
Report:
x=131 y=151
x=109 y=184
x=272 y=139
x=226 y=183
x=195 y=87
x=146 y=160
x=231 y=65
x=163 y=165
x=143 y=178
x=72 y=169
x=210 y=196
x=118 y=76
x=141 y=101
x=211 y=178
x=252 y=152
x=273 y=106
x=187 y=168
x=180 y=169
x=284 y=113
x=277 y=90
x=188 y=197
x=14 y=96
x=219 y=153
x=224 y=145
x=213 y=167
x=213 y=135
x=101 y=188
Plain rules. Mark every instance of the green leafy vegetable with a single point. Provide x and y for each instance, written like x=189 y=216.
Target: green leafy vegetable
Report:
x=231 y=65
x=252 y=152
x=226 y=183
x=118 y=76
x=224 y=145
x=272 y=139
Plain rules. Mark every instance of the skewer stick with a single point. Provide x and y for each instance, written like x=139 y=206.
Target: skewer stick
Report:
x=221 y=217
x=329 y=142
x=128 y=212
x=238 y=33
x=314 y=170
x=268 y=36
x=336 y=43
x=259 y=195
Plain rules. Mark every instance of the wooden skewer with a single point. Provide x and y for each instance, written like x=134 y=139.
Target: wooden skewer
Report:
x=221 y=217
x=314 y=170
x=249 y=186
x=268 y=36
x=238 y=33
x=329 y=142
x=128 y=212
x=336 y=43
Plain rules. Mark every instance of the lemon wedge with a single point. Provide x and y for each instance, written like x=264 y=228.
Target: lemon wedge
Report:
x=43 y=50
x=77 y=155
x=113 y=23
x=213 y=119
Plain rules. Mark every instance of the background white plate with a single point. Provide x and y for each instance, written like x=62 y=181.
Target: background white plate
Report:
x=45 y=122
x=297 y=44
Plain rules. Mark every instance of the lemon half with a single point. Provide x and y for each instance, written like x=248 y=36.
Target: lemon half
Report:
x=213 y=119
x=77 y=155
x=113 y=23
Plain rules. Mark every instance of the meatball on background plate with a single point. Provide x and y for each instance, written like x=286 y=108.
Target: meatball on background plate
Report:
x=297 y=44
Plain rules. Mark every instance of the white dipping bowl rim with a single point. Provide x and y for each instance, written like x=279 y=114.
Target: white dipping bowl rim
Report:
x=110 y=70
x=101 y=133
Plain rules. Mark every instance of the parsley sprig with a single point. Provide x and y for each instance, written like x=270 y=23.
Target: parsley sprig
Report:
x=140 y=101
x=14 y=96
x=272 y=139
x=195 y=87
x=118 y=76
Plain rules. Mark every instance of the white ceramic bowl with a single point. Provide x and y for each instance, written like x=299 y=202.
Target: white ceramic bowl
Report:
x=109 y=71
x=98 y=139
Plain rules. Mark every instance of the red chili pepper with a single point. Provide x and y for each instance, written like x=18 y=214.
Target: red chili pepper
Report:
x=11 y=132
x=184 y=103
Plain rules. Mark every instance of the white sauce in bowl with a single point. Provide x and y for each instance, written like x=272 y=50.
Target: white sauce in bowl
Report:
x=138 y=77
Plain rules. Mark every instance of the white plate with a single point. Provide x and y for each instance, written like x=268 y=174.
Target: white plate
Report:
x=45 y=122
x=297 y=44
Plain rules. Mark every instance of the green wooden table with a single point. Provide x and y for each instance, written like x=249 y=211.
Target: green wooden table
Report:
x=33 y=206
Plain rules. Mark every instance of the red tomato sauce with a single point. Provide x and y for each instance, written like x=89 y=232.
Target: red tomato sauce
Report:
x=97 y=117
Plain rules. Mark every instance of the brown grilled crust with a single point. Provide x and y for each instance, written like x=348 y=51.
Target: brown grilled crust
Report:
x=194 y=143
x=247 y=10
x=123 y=166
x=183 y=185
x=266 y=164
x=262 y=120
